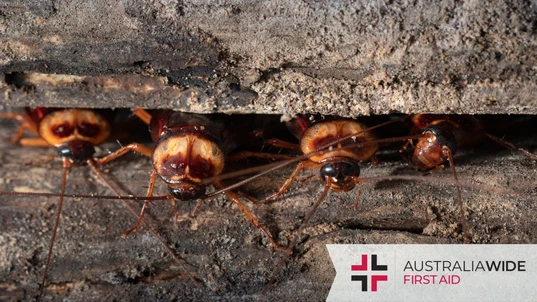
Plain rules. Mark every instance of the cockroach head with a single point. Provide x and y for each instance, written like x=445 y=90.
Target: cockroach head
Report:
x=186 y=190
x=442 y=135
x=76 y=151
x=340 y=174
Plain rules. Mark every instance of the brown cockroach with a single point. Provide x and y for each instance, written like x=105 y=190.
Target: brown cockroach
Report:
x=338 y=161
x=334 y=146
x=441 y=136
x=74 y=133
x=190 y=148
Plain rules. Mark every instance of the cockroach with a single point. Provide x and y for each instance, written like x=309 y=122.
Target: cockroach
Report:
x=74 y=133
x=338 y=164
x=190 y=148
x=441 y=136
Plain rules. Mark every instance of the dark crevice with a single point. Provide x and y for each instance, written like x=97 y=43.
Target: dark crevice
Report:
x=414 y=227
x=17 y=79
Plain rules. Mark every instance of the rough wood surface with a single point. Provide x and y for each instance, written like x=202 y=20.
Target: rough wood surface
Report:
x=333 y=57
x=230 y=259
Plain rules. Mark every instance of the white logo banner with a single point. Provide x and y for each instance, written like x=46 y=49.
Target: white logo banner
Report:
x=412 y=272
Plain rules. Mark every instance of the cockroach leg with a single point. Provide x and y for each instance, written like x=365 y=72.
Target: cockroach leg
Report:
x=150 y=189
x=139 y=222
x=301 y=166
x=175 y=212
x=305 y=179
x=134 y=147
x=374 y=160
x=274 y=142
x=142 y=114
x=233 y=197
x=25 y=123
x=138 y=148
x=33 y=142
x=435 y=169
x=197 y=207
x=358 y=197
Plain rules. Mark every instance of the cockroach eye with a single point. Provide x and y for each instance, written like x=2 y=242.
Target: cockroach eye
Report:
x=443 y=136
x=65 y=152
x=340 y=170
x=328 y=170
x=351 y=169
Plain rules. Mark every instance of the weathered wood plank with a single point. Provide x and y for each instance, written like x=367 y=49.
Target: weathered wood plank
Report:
x=330 y=57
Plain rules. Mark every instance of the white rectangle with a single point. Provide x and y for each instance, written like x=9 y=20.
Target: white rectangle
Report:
x=434 y=272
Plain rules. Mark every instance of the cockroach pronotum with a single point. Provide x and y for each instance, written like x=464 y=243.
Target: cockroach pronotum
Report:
x=74 y=133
